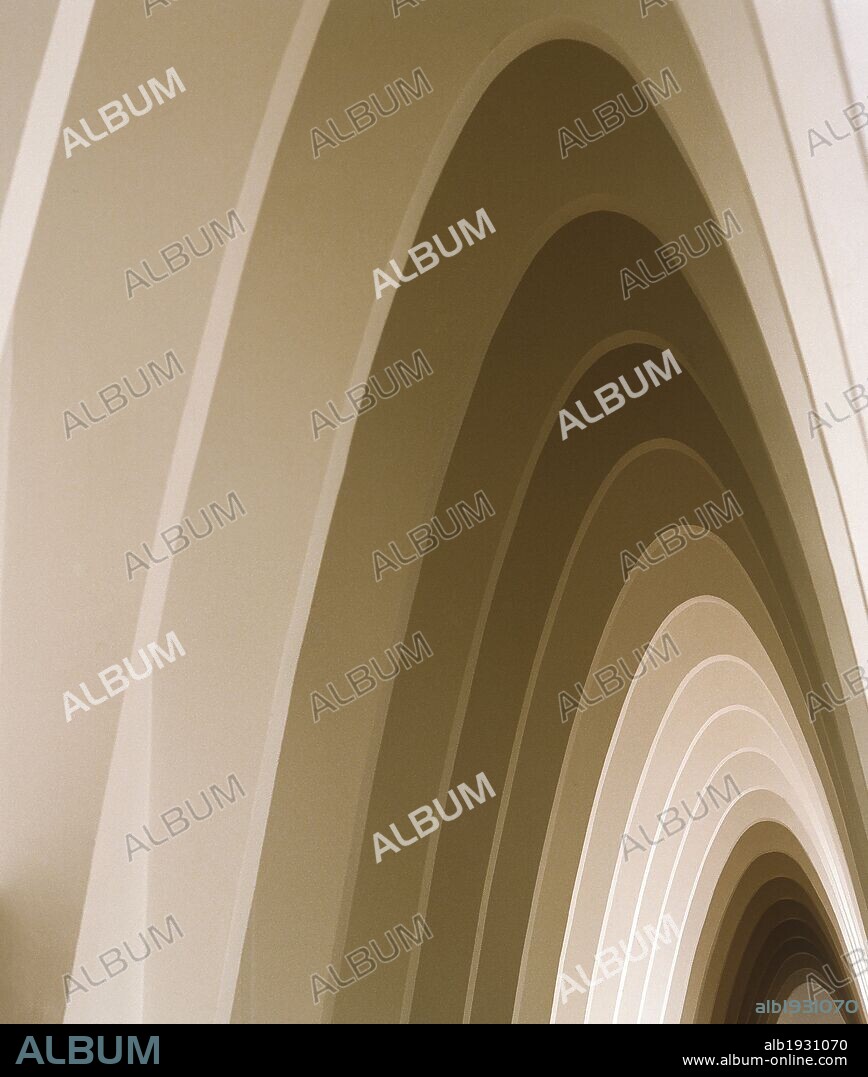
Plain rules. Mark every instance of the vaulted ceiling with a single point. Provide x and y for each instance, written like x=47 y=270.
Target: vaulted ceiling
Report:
x=767 y=888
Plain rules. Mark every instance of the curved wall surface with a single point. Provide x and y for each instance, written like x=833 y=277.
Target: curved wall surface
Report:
x=453 y=413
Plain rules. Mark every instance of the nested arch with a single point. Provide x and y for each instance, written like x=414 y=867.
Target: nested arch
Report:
x=503 y=352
